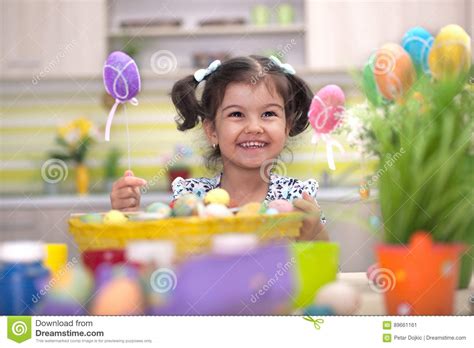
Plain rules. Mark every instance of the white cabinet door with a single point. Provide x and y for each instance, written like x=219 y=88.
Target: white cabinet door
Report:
x=342 y=34
x=43 y=39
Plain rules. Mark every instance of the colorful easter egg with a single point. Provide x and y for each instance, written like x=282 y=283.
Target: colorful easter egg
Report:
x=326 y=109
x=281 y=205
x=114 y=283
x=121 y=81
x=163 y=210
x=91 y=218
x=218 y=195
x=393 y=70
x=417 y=42
x=314 y=310
x=121 y=296
x=186 y=205
x=369 y=85
x=114 y=217
x=121 y=76
x=71 y=289
x=340 y=297
x=252 y=208
x=216 y=210
x=450 y=56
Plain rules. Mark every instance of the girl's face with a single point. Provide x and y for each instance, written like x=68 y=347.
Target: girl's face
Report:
x=250 y=125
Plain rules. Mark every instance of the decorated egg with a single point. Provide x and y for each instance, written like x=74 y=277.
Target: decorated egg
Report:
x=114 y=283
x=114 y=217
x=186 y=205
x=417 y=42
x=340 y=297
x=368 y=83
x=325 y=111
x=146 y=217
x=394 y=71
x=91 y=218
x=218 y=195
x=163 y=210
x=281 y=205
x=70 y=291
x=318 y=310
x=450 y=56
x=216 y=210
x=271 y=211
x=120 y=296
x=121 y=76
x=121 y=81
x=252 y=208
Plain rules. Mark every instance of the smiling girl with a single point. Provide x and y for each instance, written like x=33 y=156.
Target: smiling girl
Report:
x=248 y=108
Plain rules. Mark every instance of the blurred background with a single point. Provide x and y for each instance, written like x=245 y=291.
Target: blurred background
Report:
x=52 y=98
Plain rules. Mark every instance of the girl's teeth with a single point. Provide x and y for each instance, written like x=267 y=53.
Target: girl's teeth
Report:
x=252 y=144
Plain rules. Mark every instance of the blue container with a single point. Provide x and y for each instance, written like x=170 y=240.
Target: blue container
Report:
x=23 y=277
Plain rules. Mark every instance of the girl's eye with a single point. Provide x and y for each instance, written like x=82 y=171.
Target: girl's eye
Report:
x=269 y=114
x=236 y=114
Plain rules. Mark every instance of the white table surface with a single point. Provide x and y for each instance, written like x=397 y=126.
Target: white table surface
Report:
x=372 y=302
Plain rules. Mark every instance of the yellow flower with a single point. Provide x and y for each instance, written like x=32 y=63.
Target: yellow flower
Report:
x=75 y=130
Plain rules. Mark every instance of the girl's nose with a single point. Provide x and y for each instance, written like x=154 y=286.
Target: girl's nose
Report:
x=253 y=126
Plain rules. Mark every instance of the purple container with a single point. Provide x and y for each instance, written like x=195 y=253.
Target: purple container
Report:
x=256 y=283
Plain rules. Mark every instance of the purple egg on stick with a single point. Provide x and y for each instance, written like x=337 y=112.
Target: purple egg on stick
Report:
x=121 y=81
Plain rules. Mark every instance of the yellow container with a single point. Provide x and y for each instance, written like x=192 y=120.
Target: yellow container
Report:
x=191 y=235
x=56 y=257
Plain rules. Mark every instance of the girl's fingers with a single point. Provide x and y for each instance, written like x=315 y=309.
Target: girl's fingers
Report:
x=305 y=206
x=126 y=203
x=128 y=181
x=125 y=192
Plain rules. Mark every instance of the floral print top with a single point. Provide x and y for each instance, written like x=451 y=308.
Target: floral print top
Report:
x=280 y=187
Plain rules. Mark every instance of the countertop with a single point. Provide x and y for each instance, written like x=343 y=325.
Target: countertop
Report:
x=334 y=194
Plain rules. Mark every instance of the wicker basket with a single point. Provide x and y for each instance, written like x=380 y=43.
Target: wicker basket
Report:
x=192 y=235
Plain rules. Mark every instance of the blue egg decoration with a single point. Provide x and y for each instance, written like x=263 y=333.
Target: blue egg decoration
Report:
x=315 y=310
x=418 y=42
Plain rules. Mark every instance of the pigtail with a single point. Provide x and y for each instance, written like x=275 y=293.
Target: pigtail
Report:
x=300 y=101
x=184 y=99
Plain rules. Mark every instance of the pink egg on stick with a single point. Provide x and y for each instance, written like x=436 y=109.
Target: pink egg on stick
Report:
x=325 y=114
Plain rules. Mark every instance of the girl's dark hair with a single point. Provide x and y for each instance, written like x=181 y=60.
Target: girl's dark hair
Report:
x=295 y=93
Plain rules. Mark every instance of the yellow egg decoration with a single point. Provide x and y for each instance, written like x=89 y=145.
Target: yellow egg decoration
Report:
x=115 y=217
x=450 y=56
x=217 y=196
x=393 y=71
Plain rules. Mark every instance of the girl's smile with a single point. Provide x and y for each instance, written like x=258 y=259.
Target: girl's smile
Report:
x=250 y=125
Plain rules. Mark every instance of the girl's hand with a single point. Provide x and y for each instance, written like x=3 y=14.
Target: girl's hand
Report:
x=312 y=228
x=125 y=195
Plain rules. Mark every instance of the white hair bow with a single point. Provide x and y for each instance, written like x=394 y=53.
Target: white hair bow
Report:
x=200 y=74
x=285 y=66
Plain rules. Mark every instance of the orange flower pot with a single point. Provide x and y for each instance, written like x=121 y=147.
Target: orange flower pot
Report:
x=419 y=278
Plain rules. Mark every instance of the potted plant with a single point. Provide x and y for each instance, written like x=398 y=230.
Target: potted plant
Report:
x=74 y=140
x=425 y=175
